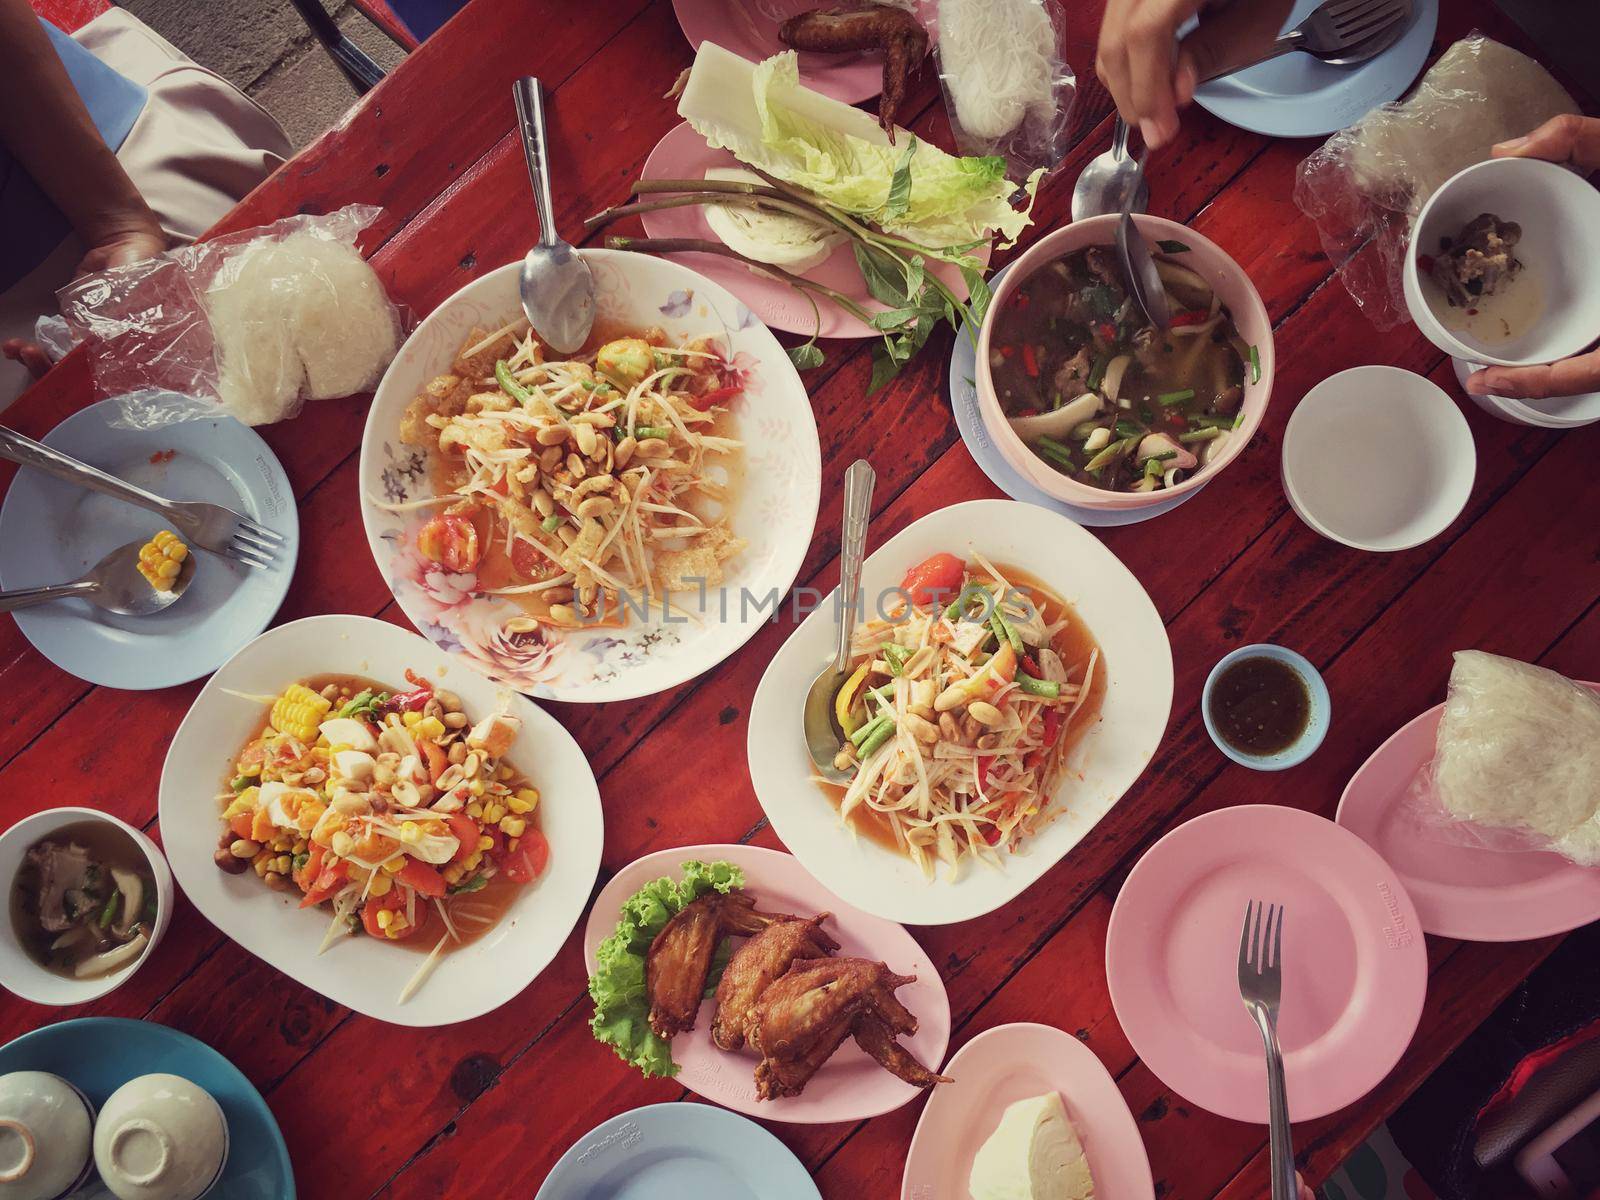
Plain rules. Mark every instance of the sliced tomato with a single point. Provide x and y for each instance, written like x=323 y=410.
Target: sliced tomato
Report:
x=393 y=901
x=438 y=760
x=1191 y=317
x=528 y=861
x=933 y=578
x=451 y=540
x=240 y=824
x=329 y=879
x=528 y=562
x=466 y=831
x=252 y=755
x=421 y=876
x=305 y=874
x=1030 y=361
x=985 y=761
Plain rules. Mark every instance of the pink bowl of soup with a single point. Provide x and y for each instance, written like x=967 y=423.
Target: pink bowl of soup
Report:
x=1098 y=410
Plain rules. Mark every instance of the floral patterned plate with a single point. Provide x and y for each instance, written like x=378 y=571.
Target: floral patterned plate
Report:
x=775 y=511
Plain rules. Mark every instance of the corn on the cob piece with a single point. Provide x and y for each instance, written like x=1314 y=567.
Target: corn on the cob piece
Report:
x=298 y=712
x=161 y=558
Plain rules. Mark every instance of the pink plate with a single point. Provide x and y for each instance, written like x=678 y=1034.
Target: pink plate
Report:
x=1355 y=968
x=1461 y=891
x=683 y=154
x=850 y=1086
x=1013 y=1062
x=750 y=28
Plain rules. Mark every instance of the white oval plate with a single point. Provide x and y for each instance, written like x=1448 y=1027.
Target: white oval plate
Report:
x=850 y=1086
x=358 y=972
x=1138 y=662
x=775 y=513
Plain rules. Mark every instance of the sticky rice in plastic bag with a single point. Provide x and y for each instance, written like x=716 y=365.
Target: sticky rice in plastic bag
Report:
x=1516 y=761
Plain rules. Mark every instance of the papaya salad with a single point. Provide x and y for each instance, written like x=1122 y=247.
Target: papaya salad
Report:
x=392 y=808
x=960 y=709
x=571 y=483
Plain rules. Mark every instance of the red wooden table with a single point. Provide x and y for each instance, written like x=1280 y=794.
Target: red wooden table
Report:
x=483 y=1109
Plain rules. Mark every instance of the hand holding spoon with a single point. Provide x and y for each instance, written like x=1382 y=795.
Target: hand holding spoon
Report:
x=824 y=738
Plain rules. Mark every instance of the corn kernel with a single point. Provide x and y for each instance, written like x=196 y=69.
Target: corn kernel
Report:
x=339 y=746
x=513 y=826
x=300 y=846
x=430 y=727
x=476 y=787
x=485 y=842
x=530 y=794
x=504 y=772
x=252 y=770
x=452 y=874
x=260 y=864
x=410 y=832
x=283 y=864
x=518 y=805
x=385 y=918
x=492 y=812
x=381 y=883
x=475 y=810
x=471 y=861
x=412 y=719
x=512 y=844
x=241 y=805
x=395 y=865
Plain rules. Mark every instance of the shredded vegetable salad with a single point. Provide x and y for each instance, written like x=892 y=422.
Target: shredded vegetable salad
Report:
x=571 y=483
x=392 y=808
x=956 y=713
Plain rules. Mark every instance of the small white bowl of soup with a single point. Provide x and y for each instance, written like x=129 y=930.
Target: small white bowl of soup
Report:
x=89 y=897
x=1098 y=410
x=1521 y=291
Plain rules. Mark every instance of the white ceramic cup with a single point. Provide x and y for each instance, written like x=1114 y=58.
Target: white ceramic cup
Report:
x=1556 y=412
x=18 y=971
x=1559 y=213
x=1378 y=458
x=160 y=1137
x=45 y=1125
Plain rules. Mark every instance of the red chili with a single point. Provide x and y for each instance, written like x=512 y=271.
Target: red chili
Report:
x=992 y=834
x=1019 y=299
x=715 y=396
x=984 y=763
x=1007 y=351
x=1052 y=726
x=1192 y=317
x=1108 y=331
x=1031 y=666
x=1030 y=362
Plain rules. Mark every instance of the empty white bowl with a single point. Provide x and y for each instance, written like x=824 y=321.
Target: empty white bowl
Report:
x=160 y=1137
x=1556 y=412
x=19 y=973
x=1378 y=458
x=45 y=1127
x=1560 y=217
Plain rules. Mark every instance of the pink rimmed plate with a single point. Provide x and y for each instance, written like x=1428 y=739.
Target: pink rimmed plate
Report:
x=750 y=28
x=683 y=154
x=1461 y=891
x=1355 y=967
x=850 y=1086
x=1013 y=1062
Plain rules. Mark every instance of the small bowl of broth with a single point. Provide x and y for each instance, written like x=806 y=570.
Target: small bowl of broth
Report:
x=89 y=896
x=1266 y=707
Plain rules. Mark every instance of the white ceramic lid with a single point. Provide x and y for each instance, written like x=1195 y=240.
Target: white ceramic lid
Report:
x=44 y=1136
x=160 y=1137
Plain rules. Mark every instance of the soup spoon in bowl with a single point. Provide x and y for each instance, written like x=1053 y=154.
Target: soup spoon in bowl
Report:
x=824 y=737
x=114 y=584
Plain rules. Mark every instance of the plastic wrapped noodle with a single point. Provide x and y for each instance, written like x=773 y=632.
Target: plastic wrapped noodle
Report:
x=1516 y=762
x=1365 y=184
x=254 y=323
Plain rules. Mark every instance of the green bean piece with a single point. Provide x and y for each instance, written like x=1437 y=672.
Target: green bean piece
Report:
x=860 y=736
x=1255 y=364
x=1128 y=429
x=1200 y=435
x=551 y=523
x=1110 y=454
x=959 y=604
x=110 y=910
x=879 y=736
x=1005 y=631
x=1178 y=397
x=895 y=655
x=1047 y=688
x=508 y=383
x=645 y=432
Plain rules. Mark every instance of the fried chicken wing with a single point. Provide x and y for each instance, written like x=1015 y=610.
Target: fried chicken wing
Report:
x=680 y=956
x=807 y=1013
x=862 y=25
x=755 y=965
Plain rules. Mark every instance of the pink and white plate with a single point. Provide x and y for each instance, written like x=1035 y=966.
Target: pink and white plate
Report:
x=750 y=28
x=1465 y=892
x=850 y=1086
x=1355 y=967
x=1013 y=1062
x=683 y=154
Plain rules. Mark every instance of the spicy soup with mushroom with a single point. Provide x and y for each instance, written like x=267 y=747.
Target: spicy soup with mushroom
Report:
x=83 y=902
x=1105 y=398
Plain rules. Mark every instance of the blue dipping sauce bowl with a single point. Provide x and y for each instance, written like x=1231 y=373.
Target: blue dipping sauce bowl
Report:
x=1316 y=723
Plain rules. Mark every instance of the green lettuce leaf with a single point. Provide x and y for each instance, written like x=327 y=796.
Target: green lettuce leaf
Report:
x=617 y=986
x=934 y=199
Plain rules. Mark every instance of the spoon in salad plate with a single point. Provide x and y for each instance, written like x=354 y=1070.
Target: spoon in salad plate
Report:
x=114 y=584
x=824 y=737
x=1109 y=180
x=556 y=287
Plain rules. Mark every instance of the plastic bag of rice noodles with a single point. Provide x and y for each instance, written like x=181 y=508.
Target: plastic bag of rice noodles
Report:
x=254 y=323
x=1363 y=186
x=1516 y=762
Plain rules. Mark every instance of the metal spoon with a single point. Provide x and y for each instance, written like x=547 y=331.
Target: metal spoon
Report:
x=1144 y=281
x=113 y=583
x=1109 y=180
x=823 y=735
x=557 y=289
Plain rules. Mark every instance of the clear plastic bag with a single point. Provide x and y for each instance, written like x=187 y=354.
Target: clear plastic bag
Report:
x=1363 y=186
x=252 y=323
x=1516 y=762
x=1007 y=86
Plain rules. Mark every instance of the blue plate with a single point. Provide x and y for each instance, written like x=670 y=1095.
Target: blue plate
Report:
x=1295 y=95
x=100 y=1054
x=673 y=1150
x=51 y=532
x=964 y=400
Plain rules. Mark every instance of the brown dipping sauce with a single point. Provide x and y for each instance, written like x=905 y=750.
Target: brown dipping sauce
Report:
x=1260 y=706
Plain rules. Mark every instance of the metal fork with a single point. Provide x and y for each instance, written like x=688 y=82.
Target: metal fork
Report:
x=1260 y=985
x=1342 y=32
x=209 y=526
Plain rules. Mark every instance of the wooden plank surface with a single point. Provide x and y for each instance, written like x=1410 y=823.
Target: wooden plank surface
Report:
x=433 y=145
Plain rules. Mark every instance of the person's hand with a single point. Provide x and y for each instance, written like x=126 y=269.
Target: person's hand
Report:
x=1573 y=140
x=119 y=245
x=1151 y=75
